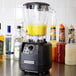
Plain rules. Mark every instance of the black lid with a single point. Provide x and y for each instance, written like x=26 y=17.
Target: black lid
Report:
x=18 y=27
x=36 y=3
x=31 y=5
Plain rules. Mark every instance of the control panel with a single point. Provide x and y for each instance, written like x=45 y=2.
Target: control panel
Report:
x=30 y=48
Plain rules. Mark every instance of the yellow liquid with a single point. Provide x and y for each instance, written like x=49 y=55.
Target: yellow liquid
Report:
x=36 y=30
x=54 y=42
x=2 y=40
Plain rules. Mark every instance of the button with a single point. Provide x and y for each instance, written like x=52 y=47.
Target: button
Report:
x=30 y=48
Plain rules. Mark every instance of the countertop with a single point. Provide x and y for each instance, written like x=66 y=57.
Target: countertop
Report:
x=11 y=68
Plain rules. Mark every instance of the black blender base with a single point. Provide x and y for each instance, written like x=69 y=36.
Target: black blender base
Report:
x=35 y=74
x=35 y=57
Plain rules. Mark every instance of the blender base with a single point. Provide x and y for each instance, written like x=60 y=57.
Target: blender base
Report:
x=35 y=57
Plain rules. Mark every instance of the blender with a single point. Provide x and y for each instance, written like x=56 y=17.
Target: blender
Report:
x=36 y=52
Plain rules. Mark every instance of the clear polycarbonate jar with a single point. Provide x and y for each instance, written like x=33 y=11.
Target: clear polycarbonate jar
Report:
x=36 y=16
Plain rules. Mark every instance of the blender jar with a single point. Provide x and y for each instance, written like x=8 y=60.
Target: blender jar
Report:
x=36 y=20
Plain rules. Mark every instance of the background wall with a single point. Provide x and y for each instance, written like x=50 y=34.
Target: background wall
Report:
x=7 y=14
x=10 y=12
x=66 y=12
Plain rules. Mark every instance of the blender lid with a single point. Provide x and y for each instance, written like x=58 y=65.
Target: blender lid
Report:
x=36 y=3
x=40 y=5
